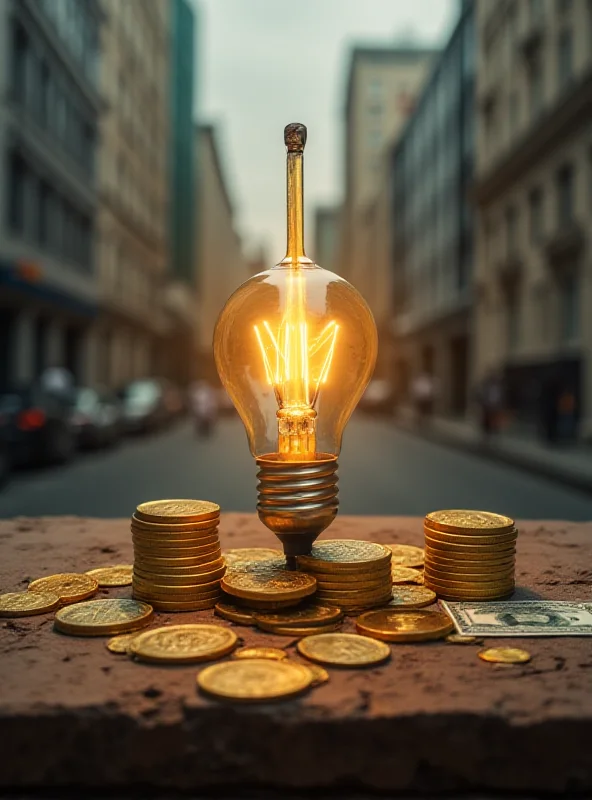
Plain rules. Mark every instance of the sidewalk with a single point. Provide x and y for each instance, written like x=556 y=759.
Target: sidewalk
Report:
x=571 y=464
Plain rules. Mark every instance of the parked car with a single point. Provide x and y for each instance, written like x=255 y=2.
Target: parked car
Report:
x=39 y=425
x=143 y=406
x=96 y=418
x=378 y=398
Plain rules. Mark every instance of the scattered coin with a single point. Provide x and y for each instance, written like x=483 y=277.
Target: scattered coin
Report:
x=300 y=630
x=505 y=655
x=241 y=555
x=118 y=575
x=121 y=644
x=103 y=617
x=184 y=643
x=461 y=519
x=310 y=615
x=178 y=605
x=27 y=604
x=461 y=638
x=241 y=616
x=253 y=680
x=406 y=575
x=404 y=626
x=167 y=511
x=260 y=652
x=71 y=587
x=406 y=555
x=319 y=674
x=405 y=598
x=343 y=649
x=345 y=555
x=267 y=582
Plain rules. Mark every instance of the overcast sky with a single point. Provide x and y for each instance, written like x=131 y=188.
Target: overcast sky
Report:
x=264 y=63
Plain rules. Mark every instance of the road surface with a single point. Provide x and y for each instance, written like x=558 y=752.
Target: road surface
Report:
x=382 y=471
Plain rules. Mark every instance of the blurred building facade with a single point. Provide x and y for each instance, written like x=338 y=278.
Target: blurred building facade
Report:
x=221 y=262
x=133 y=222
x=326 y=237
x=533 y=324
x=382 y=88
x=50 y=105
x=432 y=248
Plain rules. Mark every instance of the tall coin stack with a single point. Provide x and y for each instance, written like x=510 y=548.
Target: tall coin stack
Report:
x=178 y=562
x=351 y=575
x=470 y=555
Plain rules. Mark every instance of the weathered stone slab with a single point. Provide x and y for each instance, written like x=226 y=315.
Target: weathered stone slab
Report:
x=435 y=719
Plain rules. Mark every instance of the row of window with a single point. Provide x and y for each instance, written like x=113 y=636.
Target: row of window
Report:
x=78 y=27
x=41 y=87
x=41 y=215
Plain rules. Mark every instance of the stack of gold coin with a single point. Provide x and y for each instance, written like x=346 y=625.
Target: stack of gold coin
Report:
x=351 y=574
x=470 y=555
x=266 y=585
x=178 y=562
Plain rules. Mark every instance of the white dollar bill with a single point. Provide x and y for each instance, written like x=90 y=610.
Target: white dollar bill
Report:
x=521 y=618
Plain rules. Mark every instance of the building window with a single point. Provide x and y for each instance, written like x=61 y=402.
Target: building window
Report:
x=570 y=307
x=20 y=56
x=565 y=56
x=513 y=112
x=536 y=87
x=513 y=322
x=565 y=195
x=44 y=213
x=17 y=176
x=511 y=230
x=536 y=10
x=535 y=202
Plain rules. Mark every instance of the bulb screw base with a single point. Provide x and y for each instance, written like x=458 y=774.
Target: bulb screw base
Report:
x=297 y=499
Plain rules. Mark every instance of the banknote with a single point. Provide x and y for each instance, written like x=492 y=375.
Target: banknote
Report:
x=522 y=618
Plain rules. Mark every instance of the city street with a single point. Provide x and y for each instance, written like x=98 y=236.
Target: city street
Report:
x=383 y=471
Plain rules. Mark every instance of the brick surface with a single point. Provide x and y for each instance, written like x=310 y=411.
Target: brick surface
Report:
x=435 y=719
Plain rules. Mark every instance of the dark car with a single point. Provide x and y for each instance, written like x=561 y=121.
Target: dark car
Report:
x=143 y=406
x=96 y=418
x=39 y=425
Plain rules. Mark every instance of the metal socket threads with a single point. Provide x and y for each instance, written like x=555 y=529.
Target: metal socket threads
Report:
x=297 y=499
x=295 y=137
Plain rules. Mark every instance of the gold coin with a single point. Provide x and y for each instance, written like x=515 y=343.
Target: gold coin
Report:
x=405 y=626
x=27 y=604
x=319 y=674
x=265 y=605
x=477 y=586
x=355 y=599
x=299 y=630
x=471 y=539
x=175 y=564
x=465 y=594
x=343 y=650
x=174 y=529
x=461 y=638
x=406 y=555
x=121 y=644
x=266 y=581
x=260 y=652
x=471 y=560
x=252 y=679
x=167 y=540
x=240 y=555
x=468 y=567
x=103 y=617
x=241 y=616
x=184 y=643
x=405 y=575
x=340 y=579
x=407 y=598
x=71 y=587
x=464 y=579
x=505 y=655
x=457 y=520
x=175 y=606
x=202 y=573
x=186 y=596
x=310 y=615
x=166 y=511
x=118 y=575
x=358 y=586
x=151 y=556
x=345 y=555
x=473 y=550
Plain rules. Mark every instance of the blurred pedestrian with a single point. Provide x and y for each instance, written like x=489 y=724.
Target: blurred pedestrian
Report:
x=490 y=397
x=204 y=407
x=423 y=390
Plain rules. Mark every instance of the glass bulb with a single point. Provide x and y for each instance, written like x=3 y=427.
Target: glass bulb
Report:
x=295 y=347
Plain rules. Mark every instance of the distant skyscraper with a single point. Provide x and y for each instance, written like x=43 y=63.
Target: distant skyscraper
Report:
x=49 y=110
x=326 y=235
x=182 y=143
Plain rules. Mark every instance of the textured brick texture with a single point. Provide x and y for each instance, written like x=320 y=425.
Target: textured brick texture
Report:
x=434 y=720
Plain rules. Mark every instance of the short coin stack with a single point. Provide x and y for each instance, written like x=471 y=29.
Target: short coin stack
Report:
x=178 y=562
x=265 y=585
x=351 y=574
x=469 y=555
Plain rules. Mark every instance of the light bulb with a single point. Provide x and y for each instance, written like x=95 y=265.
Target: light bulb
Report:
x=295 y=347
